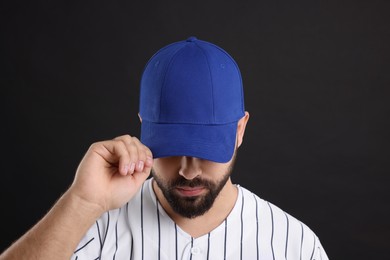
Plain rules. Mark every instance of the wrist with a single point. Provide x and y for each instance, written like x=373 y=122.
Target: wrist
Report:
x=87 y=209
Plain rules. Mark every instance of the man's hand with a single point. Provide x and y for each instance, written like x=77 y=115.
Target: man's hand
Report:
x=109 y=175
x=111 y=172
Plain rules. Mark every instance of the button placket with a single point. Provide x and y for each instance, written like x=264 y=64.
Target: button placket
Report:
x=196 y=250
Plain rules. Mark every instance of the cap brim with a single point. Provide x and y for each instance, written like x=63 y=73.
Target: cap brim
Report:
x=210 y=142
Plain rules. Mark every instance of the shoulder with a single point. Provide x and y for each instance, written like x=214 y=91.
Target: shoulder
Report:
x=269 y=212
x=278 y=231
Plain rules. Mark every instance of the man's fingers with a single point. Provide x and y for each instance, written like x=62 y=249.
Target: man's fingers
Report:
x=140 y=156
x=144 y=155
x=115 y=153
x=140 y=177
x=112 y=171
x=125 y=152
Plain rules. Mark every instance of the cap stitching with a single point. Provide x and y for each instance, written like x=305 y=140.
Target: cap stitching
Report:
x=168 y=67
x=147 y=65
x=211 y=77
x=192 y=123
x=237 y=71
x=165 y=76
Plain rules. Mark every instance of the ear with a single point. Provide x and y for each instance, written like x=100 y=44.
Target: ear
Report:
x=241 y=125
x=140 y=118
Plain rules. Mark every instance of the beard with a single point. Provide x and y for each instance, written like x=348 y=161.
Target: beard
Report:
x=192 y=206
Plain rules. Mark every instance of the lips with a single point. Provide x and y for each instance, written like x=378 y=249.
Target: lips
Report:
x=190 y=191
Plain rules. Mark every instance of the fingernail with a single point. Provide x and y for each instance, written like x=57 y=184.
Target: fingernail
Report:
x=149 y=161
x=140 y=165
x=132 y=167
x=126 y=168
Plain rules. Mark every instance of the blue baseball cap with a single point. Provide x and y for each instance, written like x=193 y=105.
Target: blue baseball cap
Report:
x=191 y=99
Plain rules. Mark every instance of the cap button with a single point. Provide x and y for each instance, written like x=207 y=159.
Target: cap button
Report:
x=191 y=39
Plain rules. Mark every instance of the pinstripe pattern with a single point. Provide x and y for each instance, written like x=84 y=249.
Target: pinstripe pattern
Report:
x=100 y=237
x=84 y=245
x=142 y=220
x=285 y=250
x=131 y=239
x=116 y=236
x=131 y=249
x=242 y=223
x=159 y=231
x=208 y=246
x=224 y=246
x=192 y=245
x=314 y=246
x=176 y=253
x=272 y=234
x=255 y=229
x=300 y=256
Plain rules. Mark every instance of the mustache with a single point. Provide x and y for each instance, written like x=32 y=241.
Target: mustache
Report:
x=181 y=181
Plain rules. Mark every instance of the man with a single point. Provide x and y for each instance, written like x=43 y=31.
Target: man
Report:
x=192 y=123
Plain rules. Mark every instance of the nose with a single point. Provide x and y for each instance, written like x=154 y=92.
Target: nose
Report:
x=190 y=167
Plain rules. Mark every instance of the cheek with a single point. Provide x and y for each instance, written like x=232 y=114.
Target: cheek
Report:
x=166 y=166
x=169 y=167
x=213 y=168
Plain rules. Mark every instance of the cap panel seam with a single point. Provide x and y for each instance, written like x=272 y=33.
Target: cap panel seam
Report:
x=149 y=62
x=211 y=77
x=154 y=55
x=165 y=77
x=237 y=71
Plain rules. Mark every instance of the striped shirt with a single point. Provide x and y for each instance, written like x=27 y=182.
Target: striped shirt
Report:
x=255 y=229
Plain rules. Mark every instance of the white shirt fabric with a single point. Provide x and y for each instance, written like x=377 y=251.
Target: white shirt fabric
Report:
x=142 y=230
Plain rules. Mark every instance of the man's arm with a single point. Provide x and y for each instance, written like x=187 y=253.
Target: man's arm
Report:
x=109 y=175
x=58 y=233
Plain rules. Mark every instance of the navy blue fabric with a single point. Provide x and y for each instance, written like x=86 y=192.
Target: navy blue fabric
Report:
x=190 y=101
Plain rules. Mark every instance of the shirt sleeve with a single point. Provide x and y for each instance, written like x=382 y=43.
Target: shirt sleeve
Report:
x=319 y=252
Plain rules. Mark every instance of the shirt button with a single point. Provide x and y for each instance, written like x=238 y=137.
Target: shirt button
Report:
x=195 y=250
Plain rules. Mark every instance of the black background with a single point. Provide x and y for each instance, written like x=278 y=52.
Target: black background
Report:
x=316 y=78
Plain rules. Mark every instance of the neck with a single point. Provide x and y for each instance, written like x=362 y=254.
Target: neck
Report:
x=207 y=222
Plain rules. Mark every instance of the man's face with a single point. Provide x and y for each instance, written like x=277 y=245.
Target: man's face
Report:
x=191 y=185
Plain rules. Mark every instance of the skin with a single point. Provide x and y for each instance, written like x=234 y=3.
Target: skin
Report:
x=192 y=197
x=191 y=169
x=109 y=175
